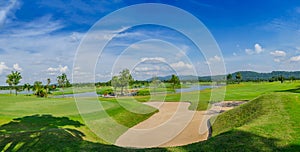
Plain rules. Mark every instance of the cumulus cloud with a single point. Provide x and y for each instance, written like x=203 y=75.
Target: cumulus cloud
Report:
x=276 y=60
x=154 y=59
x=214 y=59
x=181 y=64
x=3 y=67
x=278 y=53
x=17 y=67
x=249 y=51
x=257 y=49
x=61 y=69
x=295 y=58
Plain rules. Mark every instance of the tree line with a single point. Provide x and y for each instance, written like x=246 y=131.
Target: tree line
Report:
x=238 y=78
x=40 y=90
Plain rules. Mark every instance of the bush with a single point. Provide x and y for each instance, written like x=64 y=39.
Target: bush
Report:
x=105 y=91
x=143 y=92
x=41 y=92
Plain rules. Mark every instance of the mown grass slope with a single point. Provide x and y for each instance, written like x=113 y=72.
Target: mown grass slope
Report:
x=268 y=123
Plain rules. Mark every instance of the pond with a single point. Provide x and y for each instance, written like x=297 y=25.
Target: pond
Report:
x=92 y=94
x=13 y=92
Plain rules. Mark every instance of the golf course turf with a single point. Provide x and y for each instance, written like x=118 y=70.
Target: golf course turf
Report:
x=268 y=122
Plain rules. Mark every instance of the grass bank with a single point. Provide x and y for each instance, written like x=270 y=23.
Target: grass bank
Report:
x=268 y=123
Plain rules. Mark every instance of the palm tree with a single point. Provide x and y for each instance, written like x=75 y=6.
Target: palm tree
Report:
x=62 y=80
x=27 y=87
x=14 y=79
x=38 y=88
x=9 y=82
x=47 y=86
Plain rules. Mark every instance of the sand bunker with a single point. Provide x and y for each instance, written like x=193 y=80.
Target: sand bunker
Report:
x=173 y=125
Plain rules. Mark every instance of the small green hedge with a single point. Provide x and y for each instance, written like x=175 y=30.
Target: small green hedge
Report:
x=143 y=92
x=105 y=91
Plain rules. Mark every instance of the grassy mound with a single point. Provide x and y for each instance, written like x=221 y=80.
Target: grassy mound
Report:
x=268 y=123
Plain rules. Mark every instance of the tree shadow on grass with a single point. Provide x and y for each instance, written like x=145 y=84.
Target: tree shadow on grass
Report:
x=46 y=133
x=240 y=141
x=294 y=90
x=49 y=133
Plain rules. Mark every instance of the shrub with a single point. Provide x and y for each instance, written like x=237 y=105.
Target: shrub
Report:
x=105 y=91
x=143 y=92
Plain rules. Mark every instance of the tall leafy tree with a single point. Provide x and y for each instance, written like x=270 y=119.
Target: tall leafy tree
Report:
x=229 y=76
x=62 y=81
x=124 y=79
x=14 y=79
x=174 y=81
x=238 y=77
x=281 y=78
x=115 y=83
x=155 y=83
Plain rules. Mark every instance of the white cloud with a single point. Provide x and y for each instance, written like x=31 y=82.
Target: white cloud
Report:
x=257 y=49
x=61 y=69
x=17 y=67
x=295 y=58
x=154 y=59
x=277 y=60
x=3 y=67
x=41 y=26
x=249 y=51
x=278 y=53
x=7 y=9
x=181 y=64
x=215 y=59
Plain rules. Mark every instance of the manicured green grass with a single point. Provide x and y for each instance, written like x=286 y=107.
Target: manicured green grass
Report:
x=270 y=122
x=70 y=90
x=200 y=99
x=21 y=107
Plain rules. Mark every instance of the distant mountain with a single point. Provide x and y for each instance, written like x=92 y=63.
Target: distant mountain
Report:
x=246 y=76
x=181 y=77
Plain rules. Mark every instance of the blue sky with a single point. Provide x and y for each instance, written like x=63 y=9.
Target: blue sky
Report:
x=40 y=38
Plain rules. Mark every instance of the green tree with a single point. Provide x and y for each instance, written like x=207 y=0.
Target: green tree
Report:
x=155 y=83
x=9 y=82
x=238 y=77
x=47 y=86
x=281 y=78
x=125 y=79
x=115 y=83
x=292 y=78
x=39 y=89
x=14 y=79
x=174 y=81
x=27 y=87
x=62 y=81
x=229 y=77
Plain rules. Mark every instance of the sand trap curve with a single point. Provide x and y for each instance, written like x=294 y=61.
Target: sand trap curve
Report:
x=173 y=125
